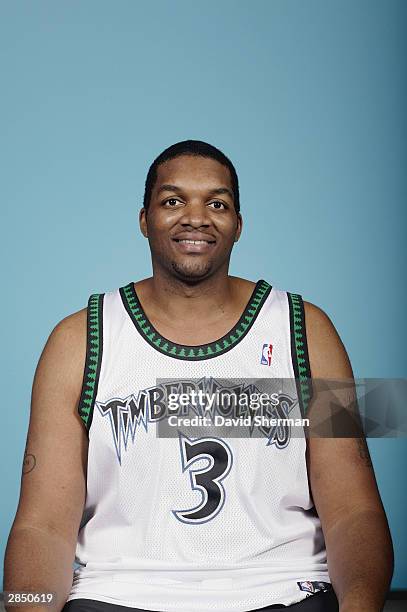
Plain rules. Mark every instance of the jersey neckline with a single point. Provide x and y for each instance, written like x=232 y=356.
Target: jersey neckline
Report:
x=196 y=352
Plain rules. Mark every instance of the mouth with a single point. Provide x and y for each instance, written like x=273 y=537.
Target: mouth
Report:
x=194 y=246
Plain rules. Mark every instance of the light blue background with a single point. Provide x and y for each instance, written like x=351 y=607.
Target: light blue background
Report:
x=307 y=98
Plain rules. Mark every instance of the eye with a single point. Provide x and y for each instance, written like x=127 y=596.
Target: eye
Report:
x=170 y=200
x=218 y=202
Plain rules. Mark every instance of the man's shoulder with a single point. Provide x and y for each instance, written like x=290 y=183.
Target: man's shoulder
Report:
x=316 y=316
x=327 y=354
x=70 y=331
x=73 y=320
x=242 y=285
x=319 y=326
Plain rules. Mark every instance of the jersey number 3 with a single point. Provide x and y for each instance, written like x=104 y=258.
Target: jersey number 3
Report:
x=208 y=480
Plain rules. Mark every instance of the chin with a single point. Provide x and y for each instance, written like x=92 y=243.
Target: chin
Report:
x=192 y=271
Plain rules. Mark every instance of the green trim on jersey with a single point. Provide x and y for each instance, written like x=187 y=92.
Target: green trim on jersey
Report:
x=299 y=350
x=195 y=352
x=94 y=349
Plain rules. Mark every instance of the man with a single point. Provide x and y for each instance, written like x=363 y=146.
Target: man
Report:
x=203 y=522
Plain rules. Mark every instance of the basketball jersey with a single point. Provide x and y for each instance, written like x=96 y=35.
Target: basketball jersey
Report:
x=195 y=522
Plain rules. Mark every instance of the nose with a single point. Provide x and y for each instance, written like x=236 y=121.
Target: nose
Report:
x=195 y=214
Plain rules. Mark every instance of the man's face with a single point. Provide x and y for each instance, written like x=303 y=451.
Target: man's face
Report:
x=185 y=207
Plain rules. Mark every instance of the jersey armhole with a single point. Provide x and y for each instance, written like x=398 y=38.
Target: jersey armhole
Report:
x=93 y=361
x=299 y=351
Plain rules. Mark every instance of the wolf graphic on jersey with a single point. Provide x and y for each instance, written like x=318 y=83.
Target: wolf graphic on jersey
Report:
x=150 y=405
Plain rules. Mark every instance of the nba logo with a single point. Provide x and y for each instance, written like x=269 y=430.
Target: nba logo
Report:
x=306 y=586
x=266 y=354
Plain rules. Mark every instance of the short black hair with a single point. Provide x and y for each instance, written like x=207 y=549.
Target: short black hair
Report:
x=196 y=148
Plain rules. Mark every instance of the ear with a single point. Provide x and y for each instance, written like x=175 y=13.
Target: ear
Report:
x=143 y=222
x=239 y=226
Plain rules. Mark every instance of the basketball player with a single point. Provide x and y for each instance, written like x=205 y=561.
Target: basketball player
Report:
x=201 y=523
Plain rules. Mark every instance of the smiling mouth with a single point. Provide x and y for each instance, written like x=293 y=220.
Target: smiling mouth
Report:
x=194 y=241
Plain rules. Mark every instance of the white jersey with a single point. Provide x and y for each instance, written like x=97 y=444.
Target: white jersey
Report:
x=206 y=521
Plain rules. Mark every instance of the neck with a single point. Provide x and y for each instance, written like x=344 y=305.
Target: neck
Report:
x=172 y=299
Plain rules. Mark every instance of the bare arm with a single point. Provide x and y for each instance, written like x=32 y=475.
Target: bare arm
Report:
x=41 y=545
x=344 y=489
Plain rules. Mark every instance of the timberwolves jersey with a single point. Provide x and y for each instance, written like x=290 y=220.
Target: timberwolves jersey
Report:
x=204 y=520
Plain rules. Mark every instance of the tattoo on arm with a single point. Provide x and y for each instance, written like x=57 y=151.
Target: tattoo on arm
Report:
x=29 y=462
x=364 y=452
